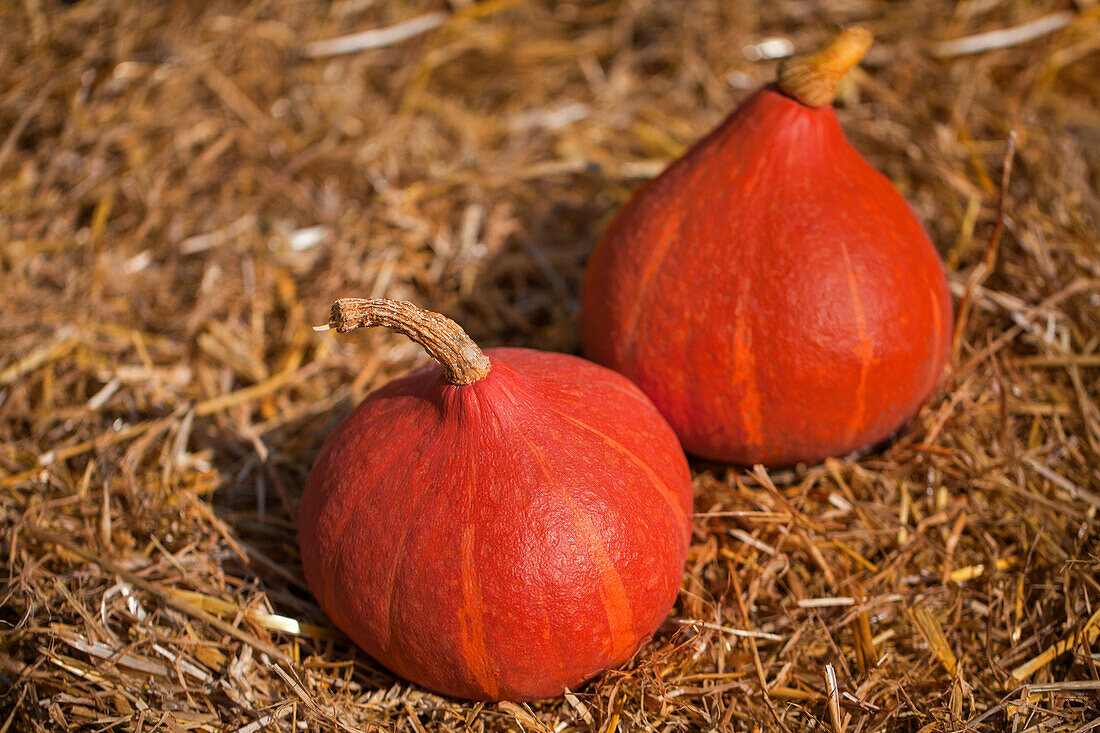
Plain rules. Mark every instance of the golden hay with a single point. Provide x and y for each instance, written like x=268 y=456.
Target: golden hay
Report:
x=185 y=187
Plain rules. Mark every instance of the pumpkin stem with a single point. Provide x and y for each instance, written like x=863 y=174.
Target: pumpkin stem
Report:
x=813 y=78
x=444 y=340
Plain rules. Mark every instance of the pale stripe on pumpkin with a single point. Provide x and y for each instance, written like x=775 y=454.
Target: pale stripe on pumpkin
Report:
x=662 y=488
x=865 y=349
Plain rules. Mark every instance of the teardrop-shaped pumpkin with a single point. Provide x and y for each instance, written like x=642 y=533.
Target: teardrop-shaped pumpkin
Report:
x=772 y=293
x=500 y=525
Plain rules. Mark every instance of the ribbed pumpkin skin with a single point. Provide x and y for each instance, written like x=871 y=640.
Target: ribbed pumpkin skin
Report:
x=506 y=539
x=771 y=292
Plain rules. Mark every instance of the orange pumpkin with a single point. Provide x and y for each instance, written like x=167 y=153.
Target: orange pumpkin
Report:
x=772 y=293
x=500 y=525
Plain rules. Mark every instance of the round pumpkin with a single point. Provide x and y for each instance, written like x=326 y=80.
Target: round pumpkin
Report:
x=501 y=525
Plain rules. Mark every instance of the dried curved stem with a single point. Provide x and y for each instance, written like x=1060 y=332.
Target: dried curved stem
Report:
x=813 y=78
x=444 y=340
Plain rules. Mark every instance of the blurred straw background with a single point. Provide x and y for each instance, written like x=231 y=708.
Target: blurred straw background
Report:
x=186 y=186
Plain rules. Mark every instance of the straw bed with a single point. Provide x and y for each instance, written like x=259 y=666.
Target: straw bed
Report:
x=185 y=188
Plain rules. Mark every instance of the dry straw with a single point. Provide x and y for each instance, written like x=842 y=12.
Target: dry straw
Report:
x=184 y=188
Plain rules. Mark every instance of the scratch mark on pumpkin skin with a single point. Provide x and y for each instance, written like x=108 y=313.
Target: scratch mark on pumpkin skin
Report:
x=472 y=621
x=662 y=488
x=865 y=348
x=616 y=603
